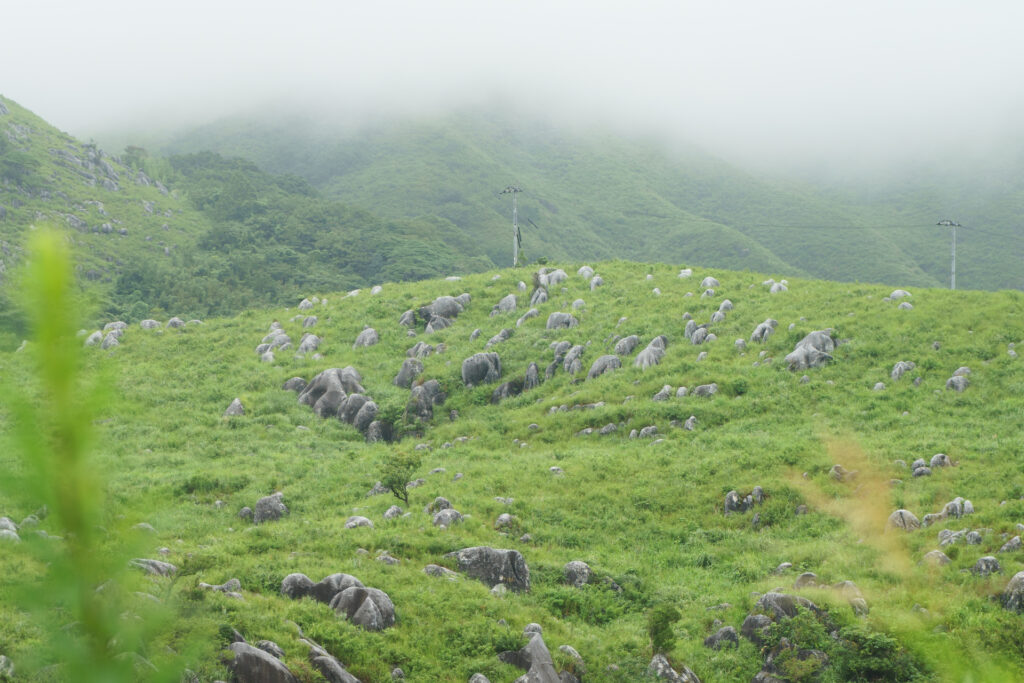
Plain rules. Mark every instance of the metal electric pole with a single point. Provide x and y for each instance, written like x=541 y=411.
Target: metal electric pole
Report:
x=517 y=239
x=952 y=267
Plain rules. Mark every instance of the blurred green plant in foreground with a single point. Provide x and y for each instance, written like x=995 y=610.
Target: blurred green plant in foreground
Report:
x=92 y=618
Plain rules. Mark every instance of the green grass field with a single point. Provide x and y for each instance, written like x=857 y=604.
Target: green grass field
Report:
x=647 y=515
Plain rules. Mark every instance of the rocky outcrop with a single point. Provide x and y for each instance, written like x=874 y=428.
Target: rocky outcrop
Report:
x=813 y=351
x=602 y=365
x=253 y=665
x=494 y=567
x=369 y=608
x=481 y=368
x=411 y=369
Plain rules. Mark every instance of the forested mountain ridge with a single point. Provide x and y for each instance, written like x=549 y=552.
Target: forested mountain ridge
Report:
x=599 y=195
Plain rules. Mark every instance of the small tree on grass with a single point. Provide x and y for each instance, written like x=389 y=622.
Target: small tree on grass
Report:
x=397 y=471
x=660 y=620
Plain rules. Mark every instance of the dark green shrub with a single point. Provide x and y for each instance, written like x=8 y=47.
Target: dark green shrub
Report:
x=871 y=656
x=660 y=620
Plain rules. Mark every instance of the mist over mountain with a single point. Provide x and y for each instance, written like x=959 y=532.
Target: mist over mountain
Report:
x=593 y=193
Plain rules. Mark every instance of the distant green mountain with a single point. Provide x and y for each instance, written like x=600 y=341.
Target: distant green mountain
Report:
x=591 y=195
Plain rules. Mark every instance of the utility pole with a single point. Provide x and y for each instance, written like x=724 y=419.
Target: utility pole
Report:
x=952 y=268
x=517 y=239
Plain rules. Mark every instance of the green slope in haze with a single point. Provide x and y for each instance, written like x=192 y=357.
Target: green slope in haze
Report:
x=196 y=235
x=596 y=195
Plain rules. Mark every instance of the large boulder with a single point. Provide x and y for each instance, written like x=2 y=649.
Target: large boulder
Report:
x=507 y=390
x=436 y=323
x=325 y=590
x=308 y=344
x=296 y=586
x=411 y=369
x=957 y=383
x=423 y=399
x=481 y=368
x=603 y=365
x=813 y=351
x=1013 y=595
x=561 y=321
x=577 y=573
x=350 y=407
x=625 y=346
x=366 y=415
x=653 y=354
x=536 y=659
x=269 y=508
x=345 y=380
x=903 y=519
x=661 y=669
x=328 y=404
x=370 y=608
x=367 y=337
x=506 y=305
x=573 y=362
x=532 y=378
x=443 y=306
x=494 y=567
x=764 y=330
x=253 y=665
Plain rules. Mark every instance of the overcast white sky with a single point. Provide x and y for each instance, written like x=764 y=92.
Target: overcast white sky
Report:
x=800 y=80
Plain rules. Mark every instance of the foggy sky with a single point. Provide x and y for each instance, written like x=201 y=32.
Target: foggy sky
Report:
x=804 y=82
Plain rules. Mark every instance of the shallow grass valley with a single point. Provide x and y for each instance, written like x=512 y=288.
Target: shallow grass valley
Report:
x=646 y=514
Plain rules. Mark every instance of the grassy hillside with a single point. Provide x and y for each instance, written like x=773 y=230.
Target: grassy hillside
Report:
x=646 y=514
x=117 y=216
x=595 y=195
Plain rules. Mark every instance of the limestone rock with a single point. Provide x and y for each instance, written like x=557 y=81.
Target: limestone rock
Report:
x=660 y=668
x=577 y=573
x=370 y=608
x=903 y=519
x=296 y=384
x=957 y=383
x=506 y=305
x=481 y=368
x=494 y=566
x=325 y=590
x=653 y=354
x=724 y=638
x=269 y=508
x=367 y=337
x=234 y=409
x=812 y=351
x=560 y=321
x=1013 y=595
x=357 y=521
x=423 y=399
x=253 y=665
x=602 y=365
x=296 y=586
